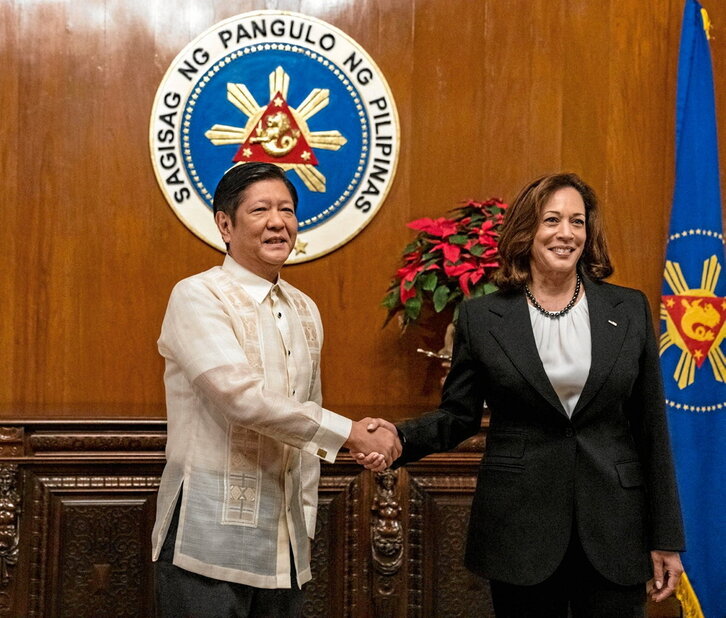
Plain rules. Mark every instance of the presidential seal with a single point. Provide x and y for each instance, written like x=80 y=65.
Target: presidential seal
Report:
x=283 y=88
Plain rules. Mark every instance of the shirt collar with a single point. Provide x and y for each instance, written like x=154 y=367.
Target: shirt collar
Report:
x=257 y=287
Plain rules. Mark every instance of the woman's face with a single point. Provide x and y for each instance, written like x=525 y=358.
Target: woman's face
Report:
x=560 y=237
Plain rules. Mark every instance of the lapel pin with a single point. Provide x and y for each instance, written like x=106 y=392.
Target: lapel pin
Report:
x=613 y=323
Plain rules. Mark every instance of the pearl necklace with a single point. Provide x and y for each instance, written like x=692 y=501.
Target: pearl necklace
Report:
x=554 y=314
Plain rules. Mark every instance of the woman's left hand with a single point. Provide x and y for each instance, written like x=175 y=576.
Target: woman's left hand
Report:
x=667 y=569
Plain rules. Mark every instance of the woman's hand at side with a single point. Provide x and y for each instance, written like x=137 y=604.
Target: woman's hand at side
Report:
x=667 y=569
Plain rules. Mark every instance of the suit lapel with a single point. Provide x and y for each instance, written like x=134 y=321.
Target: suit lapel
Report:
x=514 y=335
x=608 y=326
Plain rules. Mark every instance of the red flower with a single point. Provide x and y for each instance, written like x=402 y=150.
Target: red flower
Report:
x=457 y=269
x=451 y=252
x=463 y=267
x=406 y=293
x=470 y=277
x=408 y=275
x=441 y=227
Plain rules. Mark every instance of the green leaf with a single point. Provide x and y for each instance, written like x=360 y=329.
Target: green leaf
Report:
x=479 y=290
x=476 y=250
x=429 y=281
x=458 y=239
x=413 y=308
x=410 y=247
x=489 y=288
x=441 y=298
x=390 y=300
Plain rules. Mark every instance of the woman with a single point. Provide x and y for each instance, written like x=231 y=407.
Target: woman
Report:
x=576 y=503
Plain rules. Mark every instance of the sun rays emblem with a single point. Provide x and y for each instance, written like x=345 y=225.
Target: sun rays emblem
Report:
x=277 y=133
x=694 y=322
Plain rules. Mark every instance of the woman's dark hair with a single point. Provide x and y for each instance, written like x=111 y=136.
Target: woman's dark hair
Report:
x=523 y=219
x=230 y=190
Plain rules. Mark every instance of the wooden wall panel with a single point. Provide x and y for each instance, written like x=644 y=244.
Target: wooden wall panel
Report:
x=489 y=95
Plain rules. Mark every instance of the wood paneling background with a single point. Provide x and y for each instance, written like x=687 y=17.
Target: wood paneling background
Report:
x=490 y=93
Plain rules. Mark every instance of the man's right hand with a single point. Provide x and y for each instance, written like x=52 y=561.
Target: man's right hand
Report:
x=375 y=439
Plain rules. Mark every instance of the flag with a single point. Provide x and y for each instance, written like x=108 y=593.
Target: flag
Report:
x=693 y=313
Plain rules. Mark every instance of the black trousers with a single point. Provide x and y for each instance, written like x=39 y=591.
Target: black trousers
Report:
x=575 y=589
x=183 y=594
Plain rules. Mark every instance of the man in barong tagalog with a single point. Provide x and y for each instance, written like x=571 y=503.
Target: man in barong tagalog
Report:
x=246 y=430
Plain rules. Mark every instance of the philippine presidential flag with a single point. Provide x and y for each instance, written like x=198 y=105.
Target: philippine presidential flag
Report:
x=693 y=314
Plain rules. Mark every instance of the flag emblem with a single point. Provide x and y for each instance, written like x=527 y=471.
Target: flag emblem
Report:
x=694 y=322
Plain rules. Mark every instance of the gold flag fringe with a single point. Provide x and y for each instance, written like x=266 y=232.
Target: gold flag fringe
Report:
x=689 y=601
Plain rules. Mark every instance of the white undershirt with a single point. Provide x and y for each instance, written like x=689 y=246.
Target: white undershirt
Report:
x=565 y=349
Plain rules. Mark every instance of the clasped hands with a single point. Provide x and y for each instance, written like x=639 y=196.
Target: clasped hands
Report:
x=374 y=443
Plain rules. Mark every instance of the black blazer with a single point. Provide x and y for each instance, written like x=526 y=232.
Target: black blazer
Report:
x=606 y=472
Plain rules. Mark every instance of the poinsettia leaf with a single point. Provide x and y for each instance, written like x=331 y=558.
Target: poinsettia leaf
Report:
x=413 y=308
x=476 y=250
x=489 y=288
x=477 y=290
x=411 y=247
x=429 y=281
x=458 y=239
x=390 y=300
x=455 y=319
x=441 y=298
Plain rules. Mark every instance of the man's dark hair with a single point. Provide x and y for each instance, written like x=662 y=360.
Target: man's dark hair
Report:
x=230 y=190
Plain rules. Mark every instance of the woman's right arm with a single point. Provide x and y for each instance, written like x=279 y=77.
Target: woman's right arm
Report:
x=462 y=402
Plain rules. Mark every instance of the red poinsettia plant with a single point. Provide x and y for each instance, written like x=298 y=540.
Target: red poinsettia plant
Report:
x=451 y=258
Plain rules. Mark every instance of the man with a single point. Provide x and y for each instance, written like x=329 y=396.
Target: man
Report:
x=246 y=431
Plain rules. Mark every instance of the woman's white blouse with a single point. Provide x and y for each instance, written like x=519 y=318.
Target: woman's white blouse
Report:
x=565 y=347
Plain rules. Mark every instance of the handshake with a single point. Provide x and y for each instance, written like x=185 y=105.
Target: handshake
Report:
x=374 y=443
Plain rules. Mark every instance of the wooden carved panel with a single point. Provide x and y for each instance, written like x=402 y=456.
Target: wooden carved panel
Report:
x=332 y=591
x=101 y=559
x=10 y=509
x=387 y=544
x=89 y=545
x=439 y=509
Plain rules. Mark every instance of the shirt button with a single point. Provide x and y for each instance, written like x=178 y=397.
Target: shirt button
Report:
x=279 y=315
x=293 y=392
x=569 y=433
x=288 y=352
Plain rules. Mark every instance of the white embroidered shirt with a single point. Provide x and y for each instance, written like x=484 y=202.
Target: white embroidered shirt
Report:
x=246 y=429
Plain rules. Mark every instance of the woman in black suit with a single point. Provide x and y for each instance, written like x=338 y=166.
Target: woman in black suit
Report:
x=576 y=504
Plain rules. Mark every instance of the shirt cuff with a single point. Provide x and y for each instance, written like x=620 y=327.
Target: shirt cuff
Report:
x=331 y=435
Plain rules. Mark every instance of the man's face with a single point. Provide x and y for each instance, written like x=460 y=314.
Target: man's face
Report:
x=265 y=228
